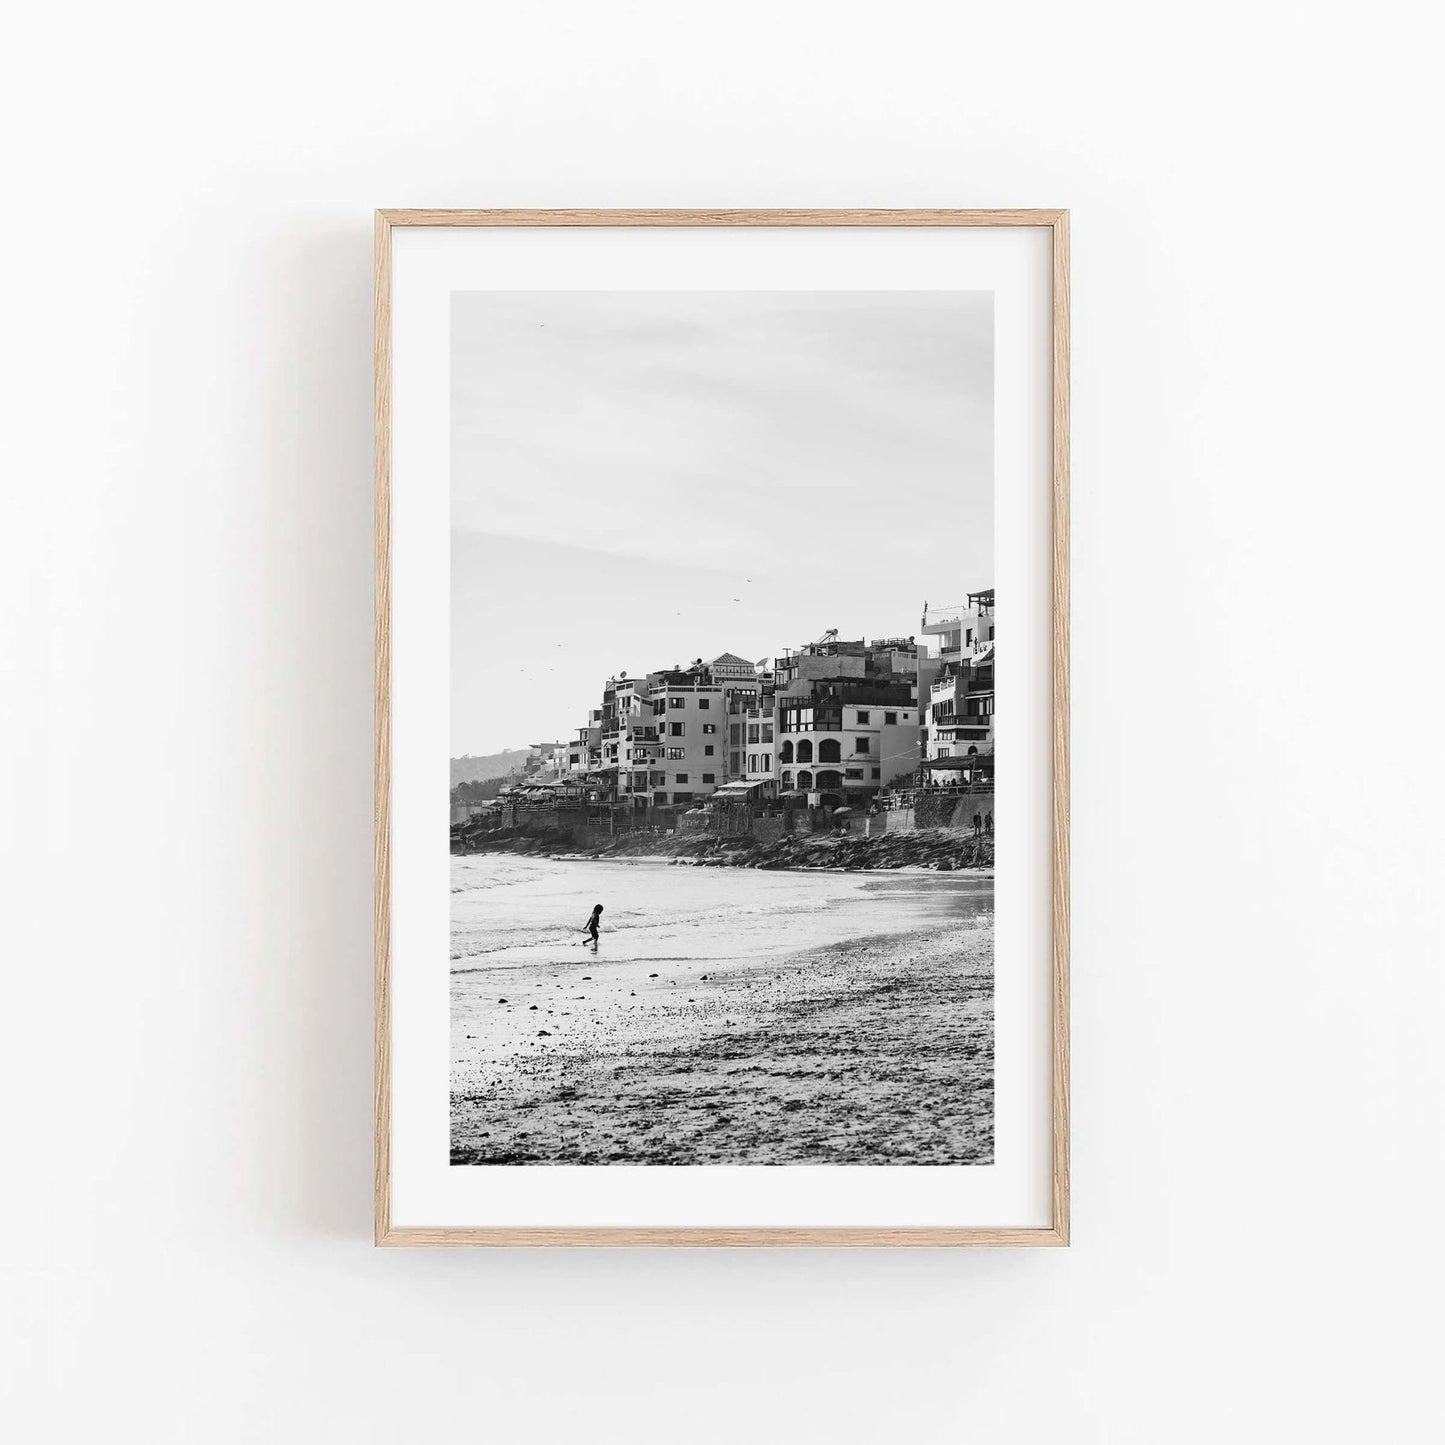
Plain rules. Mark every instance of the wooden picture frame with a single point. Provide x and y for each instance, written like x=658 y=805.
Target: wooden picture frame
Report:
x=388 y=1234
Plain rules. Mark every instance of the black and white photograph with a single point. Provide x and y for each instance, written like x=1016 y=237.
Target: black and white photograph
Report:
x=722 y=672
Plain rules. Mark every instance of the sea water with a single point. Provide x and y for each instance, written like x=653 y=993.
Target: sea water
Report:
x=509 y=910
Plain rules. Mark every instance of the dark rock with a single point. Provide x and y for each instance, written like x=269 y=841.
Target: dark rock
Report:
x=544 y=1033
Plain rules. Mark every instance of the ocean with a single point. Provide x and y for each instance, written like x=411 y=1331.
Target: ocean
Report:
x=509 y=910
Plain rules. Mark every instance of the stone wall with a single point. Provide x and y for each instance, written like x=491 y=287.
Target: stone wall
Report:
x=949 y=810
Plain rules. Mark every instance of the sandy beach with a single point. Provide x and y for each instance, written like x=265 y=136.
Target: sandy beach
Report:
x=871 y=1049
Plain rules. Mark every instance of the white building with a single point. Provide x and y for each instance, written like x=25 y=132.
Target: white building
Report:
x=960 y=708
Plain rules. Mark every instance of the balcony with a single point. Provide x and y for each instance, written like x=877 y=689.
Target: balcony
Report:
x=950 y=614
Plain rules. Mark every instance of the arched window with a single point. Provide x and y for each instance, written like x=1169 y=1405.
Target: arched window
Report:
x=787 y=778
x=786 y=755
x=830 y=751
x=830 y=780
x=972 y=751
x=805 y=779
x=805 y=751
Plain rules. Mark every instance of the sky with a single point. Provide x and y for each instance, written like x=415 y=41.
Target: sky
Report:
x=641 y=478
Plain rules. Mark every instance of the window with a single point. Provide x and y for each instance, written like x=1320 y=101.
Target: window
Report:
x=704 y=703
x=735 y=733
x=657 y=779
x=752 y=762
x=574 y=758
x=752 y=732
x=676 y=755
x=709 y=727
x=855 y=774
x=863 y=716
x=767 y=732
x=890 y=718
x=767 y=763
x=677 y=702
x=860 y=745
x=735 y=762
x=676 y=730
x=708 y=750
x=709 y=777
x=877 y=773
x=682 y=797
x=679 y=778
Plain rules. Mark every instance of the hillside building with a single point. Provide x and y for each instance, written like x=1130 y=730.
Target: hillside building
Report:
x=959 y=736
x=848 y=719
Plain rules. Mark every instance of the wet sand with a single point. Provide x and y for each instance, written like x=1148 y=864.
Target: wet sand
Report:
x=878 y=1050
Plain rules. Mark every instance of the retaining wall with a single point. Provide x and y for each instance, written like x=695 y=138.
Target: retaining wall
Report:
x=946 y=810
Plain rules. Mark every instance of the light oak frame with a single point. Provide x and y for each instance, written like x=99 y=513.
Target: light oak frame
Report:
x=388 y=1234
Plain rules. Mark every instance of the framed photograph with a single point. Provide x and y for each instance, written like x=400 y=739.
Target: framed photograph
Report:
x=721 y=862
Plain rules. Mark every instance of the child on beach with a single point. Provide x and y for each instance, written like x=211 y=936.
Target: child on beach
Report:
x=592 y=924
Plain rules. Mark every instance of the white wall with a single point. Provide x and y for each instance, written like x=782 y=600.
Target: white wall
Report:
x=187 y=653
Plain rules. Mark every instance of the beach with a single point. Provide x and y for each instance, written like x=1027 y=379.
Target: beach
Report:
x=727 y=1016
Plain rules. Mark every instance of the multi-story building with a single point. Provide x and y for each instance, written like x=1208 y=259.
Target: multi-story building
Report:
x=742 y=685
x=546 y=763
x=848 y=720
x=684 y=740
x=756 y=721
x=834 y=720
x=959 y=737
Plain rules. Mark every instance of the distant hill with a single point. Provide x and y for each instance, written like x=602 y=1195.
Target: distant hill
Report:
x=495 y=765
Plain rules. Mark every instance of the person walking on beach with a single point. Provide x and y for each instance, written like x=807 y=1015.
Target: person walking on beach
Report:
x=592 y=924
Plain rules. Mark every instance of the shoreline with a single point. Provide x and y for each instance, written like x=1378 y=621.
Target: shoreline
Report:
x=874 y=1050
x=941 y=849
